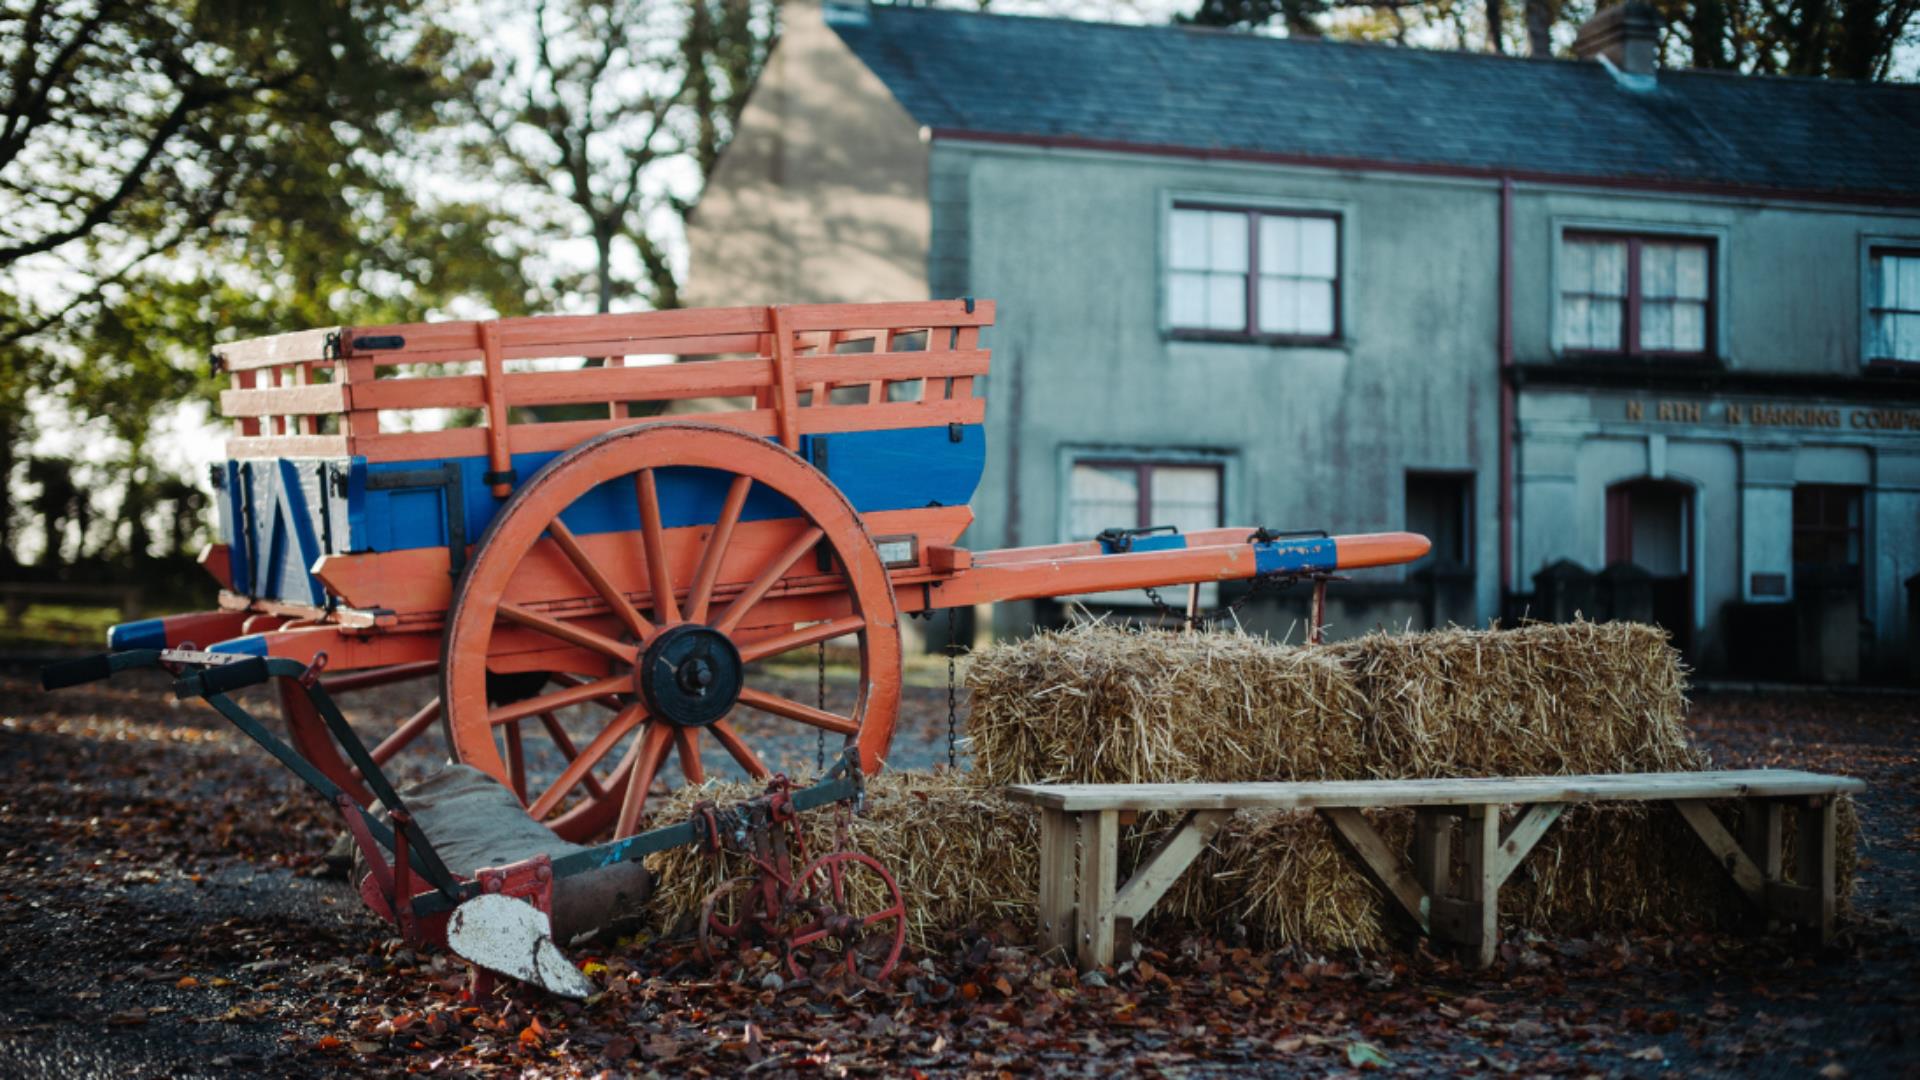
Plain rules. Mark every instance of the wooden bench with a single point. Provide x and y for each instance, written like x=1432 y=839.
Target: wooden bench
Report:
x=1085 y=910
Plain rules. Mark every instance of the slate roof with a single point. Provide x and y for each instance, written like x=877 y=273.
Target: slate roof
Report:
x=1190 y=90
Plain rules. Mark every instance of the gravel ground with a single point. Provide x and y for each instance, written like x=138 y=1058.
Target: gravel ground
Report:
x=162 y=915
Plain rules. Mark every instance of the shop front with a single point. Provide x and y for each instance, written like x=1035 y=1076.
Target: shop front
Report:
x=1776 y=535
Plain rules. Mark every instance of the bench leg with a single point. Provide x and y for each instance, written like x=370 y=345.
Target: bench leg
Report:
x=1814 y=867
x=1099 y=859
x=1760 y=838
x=1058 y=880
x=1481 y=889
x=1819 y=825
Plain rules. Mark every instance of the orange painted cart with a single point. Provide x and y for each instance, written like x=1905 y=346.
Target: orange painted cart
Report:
x=469 y=502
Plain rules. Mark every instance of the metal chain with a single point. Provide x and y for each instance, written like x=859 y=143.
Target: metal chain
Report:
x=953 y=700
x=820 y=734
x=1273 y=581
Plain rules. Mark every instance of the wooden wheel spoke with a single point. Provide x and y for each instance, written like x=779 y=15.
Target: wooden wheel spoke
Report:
x=575 y=694
x=775 y=570
x=406 y=733
x=653 y=750
x=516 y=762
x=688 y=745
x=715 y=553
x=565 y=742
x=653 y=538
x=609 y=702
x=570 y=777
x=793 y=710
x=567 y=632
x=617 y=600
x=806 y=635
x=741 y=752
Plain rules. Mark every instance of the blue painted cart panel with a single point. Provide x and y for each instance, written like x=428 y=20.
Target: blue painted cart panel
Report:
x=281 y=515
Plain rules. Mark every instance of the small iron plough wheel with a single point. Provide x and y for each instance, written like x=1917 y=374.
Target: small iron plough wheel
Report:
x=851 y=919
x=733 y=915
x=659 y=617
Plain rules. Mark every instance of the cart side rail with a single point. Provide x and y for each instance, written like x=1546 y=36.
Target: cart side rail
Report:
x=791 y=370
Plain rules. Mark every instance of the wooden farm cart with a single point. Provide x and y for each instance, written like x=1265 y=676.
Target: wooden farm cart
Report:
x=637 y=509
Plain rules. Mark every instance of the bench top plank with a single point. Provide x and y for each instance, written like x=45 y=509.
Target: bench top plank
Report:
x=1311 y=794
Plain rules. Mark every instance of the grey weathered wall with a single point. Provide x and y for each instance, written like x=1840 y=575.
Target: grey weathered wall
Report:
x=822 y=195
x=1069 y=245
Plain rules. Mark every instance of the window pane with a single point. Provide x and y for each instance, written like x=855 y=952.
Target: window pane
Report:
x=1576 y=267
x=1689 y=327
x=1594 y=266
x=1690 y=272
x=1187 y=246
x=1656 y=326
x=1608 y=327
x=1227 y=241
x=1185 y=496
x=1319 y=254
x=1576 y=322
x=1908 y=272
x=1316 y=308
x=1279 y=305
x=1103 y=497
x=1187 y=298
x=1226 y=301
x=1656 y=271
x=1609 y=266
x=1279 y=244
x=1900 y=340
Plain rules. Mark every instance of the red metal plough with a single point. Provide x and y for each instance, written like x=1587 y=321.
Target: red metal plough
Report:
x=498 y=918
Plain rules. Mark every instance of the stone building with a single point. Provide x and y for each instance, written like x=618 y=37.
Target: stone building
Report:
x=1640 y=342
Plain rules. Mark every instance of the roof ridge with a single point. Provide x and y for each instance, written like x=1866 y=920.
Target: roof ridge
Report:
x=1466 y=55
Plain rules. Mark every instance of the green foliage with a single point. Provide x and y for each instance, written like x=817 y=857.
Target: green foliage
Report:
x=605 y=127
x=172 y=171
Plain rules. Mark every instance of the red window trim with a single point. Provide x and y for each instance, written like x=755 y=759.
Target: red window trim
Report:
x=1249 y=332
x=1630 y=338
x=1143 y=486
x=1875 y=251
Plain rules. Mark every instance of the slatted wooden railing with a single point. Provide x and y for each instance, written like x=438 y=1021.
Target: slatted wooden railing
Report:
x=319 y=393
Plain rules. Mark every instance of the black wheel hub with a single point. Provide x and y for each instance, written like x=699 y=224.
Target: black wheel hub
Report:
x=690 y=675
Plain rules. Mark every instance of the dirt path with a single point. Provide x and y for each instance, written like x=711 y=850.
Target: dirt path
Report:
x=159 y=918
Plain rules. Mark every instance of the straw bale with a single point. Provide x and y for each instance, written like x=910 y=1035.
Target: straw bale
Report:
x=1539 y=699
x=1103 y=705
x=1098 y=704
x=962 y=854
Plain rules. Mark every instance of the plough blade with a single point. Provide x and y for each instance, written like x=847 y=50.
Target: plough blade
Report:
x=514 y=938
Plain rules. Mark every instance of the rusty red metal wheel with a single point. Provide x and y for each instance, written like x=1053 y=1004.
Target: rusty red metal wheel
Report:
x=742 y=552
x=733 y=916
x=855 y=919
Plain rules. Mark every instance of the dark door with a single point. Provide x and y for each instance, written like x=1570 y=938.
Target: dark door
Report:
x=1650 y=524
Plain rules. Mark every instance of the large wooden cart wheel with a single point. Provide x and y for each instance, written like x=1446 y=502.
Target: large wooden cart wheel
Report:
x=660 y=624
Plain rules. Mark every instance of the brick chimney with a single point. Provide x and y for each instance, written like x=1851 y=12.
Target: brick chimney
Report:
x=1627 y=35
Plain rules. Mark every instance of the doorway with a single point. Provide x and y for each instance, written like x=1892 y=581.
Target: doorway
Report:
x=1650 y=525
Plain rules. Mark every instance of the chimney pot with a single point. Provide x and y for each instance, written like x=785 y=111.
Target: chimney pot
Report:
x=1626 y=34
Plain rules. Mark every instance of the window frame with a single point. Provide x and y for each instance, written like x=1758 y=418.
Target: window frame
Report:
x=1876 y=249
x=1250 y=333
x=1630 y=349
x=1827 y=493
x=1143 y=467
